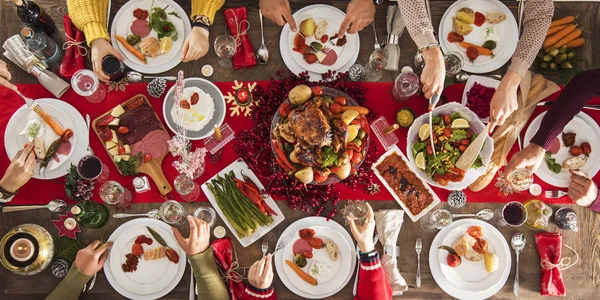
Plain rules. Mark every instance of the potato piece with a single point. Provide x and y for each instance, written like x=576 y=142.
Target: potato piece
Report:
x=349 y=116
x=321 y=29
x=305 y=175
x=344 y=171
x=462 y=28
x=300 y=94
x=466 y=15
x=491 y=262
x=293 y=157
x=495 y=17
x=308 y=27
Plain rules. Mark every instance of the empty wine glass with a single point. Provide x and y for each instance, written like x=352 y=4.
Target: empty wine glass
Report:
x=172 y=212
x=187 y=188
x=405 y=85
x=114 y=193
x=454 y=63
x=377 y=62
x=225 y=48
x=436 y=220
x=85 y=83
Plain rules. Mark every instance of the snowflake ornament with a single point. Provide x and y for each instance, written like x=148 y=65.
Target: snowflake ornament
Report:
x=241 y=99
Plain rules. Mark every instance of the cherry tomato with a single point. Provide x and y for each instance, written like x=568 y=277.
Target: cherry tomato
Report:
x=462 y=148
x=429 y=150
x=447 y=132
x=316 y=90
x=475 y=231
x=465 y=142
x=310 y=58
x=307 y=234
x=576 y=150
x=284 y=109
x=307 y=254
x=453 y=260
x=481 y=246
x=472 y=53
x=147 y=157
x=454 y=37
x=320 y=177
x=357 y=158
x=479 y=19
x=304 y=50
x=121 y=150
x=316 y=243
x=469 y=134
x=586 y=148
x=123 y=130
x=447 y=120
x=324 y=39
x=341 y=100
x=335 y=108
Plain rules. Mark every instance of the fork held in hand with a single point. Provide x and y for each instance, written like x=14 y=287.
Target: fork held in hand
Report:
x=265 y=246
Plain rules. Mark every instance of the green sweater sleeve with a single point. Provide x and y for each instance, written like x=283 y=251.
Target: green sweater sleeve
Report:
x=209 y=282
x=70 y=287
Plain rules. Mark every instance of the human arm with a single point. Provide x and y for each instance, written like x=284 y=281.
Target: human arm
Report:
x=583 y=191
x=5 y=76
x=260 y=279
x=196 y=44
x=359 y=14
x=19 y=171
x=88 y=262
x=372 y=281
x=196 y=246
x=278 y=11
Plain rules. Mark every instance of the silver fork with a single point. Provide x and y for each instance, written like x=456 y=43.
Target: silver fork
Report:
x=265 y=246
x=284 y=242
x=93 y=282
x=418 y=247
x=555 y=194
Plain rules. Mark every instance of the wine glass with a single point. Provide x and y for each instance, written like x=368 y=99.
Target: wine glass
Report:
x=454 y=63
x=405 y=85
x=85 y=83
x=114 y=193
x=436 y=220
x=377 y=62
x=355 y=209
x=520 y=179
x=187 y=188
x=172 y=212
x=225 y=48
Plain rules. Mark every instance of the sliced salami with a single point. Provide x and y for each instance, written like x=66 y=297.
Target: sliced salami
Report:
x=141 y=28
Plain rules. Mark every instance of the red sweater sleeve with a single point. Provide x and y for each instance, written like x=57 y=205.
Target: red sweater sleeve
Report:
x=372 y=282
x=254 y=293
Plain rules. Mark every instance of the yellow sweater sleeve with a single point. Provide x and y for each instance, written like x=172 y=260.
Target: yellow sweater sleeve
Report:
x=206 y=7
x=90 y=17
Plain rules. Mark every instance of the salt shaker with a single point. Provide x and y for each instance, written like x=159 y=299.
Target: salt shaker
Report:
x=566 y=218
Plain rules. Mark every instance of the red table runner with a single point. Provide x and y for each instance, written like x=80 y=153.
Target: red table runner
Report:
x=378 y=98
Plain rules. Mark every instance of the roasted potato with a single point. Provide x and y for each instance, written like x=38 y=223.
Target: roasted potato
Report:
x=306 y=175
x=308 y=27
x=300 y=94
x=462 y=28
x=466 y=15
x=344 y=171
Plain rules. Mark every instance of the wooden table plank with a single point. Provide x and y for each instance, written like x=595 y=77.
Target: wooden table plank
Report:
x=582 y=280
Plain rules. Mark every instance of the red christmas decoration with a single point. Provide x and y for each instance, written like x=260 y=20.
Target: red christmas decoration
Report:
x=60 y=225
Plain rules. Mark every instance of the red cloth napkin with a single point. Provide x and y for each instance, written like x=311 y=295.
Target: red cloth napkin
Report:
x=549 y=245
x=237 y=21
x=73 y=60
x=223 y=253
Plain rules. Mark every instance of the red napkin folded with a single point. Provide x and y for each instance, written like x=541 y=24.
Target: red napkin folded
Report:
x=237 y=22
x=223 y=253
x=73 y=59
x=549 y=245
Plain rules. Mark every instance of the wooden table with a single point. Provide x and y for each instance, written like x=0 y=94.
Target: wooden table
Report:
x=582 y=280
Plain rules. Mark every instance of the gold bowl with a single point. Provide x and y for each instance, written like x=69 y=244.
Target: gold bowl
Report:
x=43 y=251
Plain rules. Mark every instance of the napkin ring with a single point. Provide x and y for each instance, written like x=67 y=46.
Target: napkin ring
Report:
x=391 y=250
x=392 y=39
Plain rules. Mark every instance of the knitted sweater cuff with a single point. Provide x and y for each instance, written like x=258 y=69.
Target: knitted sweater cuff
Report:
x=206 y=7
x=259 y=293
x=94 y=31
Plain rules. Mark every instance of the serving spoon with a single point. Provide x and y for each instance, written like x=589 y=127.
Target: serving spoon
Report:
x=153 y=214
x=53 y=206
x=518 y=243
x=485 y=214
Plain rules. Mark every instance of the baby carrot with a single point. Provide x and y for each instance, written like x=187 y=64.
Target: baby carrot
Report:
x=555 y=29
x=553 y=39
x=301 y=273
x=567 y=39
x=562 y=21
x=576 y=43
x=130 y=48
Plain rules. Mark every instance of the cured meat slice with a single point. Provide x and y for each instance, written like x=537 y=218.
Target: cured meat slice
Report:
x=301 y=246
x=555 y=146
x=141 y=28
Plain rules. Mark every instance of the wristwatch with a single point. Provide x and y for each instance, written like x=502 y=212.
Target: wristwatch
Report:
x=6 y=196
x=377 y=2
x=202 y=21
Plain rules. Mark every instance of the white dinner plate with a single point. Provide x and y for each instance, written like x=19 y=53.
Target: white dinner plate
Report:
x=153 y=279
x=485 y=81
x=316 y=222
x=286 y=50
x=66 y=116
x=470 y=280
x=217 y=97
x=587 y=130
x=507 y=31
x=238 y=167
x=334 y=18
x=340 y=266
x=121 y=25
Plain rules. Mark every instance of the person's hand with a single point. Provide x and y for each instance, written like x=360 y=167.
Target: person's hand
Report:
x=582 y=190
x=434 y=72
x=364 y=233
x=260 y=274
x=90 y=259
x=530 y=157
x=196 y=44
x=5 y=76
x=278 y=11
x=504 y=101
x=101 y=48
x=359 y=14
x=199 y=237
x=20 y=170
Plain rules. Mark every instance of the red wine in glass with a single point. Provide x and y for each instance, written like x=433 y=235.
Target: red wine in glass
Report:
x=514 y=214
x=89 y=167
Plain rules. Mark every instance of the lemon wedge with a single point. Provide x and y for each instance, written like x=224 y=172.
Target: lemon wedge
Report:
x=420 y=160
x=424 y=132
x=460 y=123
x=352 y=133
x=165 y=45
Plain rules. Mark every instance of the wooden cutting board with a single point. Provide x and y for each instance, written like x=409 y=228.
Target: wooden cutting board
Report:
x=152 y=168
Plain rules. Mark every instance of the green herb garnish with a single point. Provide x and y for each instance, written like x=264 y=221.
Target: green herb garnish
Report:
x=129 y=168
x=329 y=157
x=551 y=163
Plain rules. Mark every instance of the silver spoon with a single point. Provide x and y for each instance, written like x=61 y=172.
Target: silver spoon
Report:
x=462 y=76
x=134 y=76
x=153 y=214
x=377 y=45
x=262 y=54
x=53 y=206
x=518 y=243
x=485 y=214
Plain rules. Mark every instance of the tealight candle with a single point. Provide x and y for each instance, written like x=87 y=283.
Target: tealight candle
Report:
x=70 y=223
x=535 y=189
x=22 y=249
x=219 y=232
x=218 y=134
x=207 y=70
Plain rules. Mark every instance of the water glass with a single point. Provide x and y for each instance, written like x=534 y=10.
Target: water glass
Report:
x=436 y=220
x=206 y=214
x=187 y=188
x=405 y=85
x=225 y=46
x=454 y=63
x=114 y=193
x=172 y=212
x=85 y=83
x=377 y=62
x=355 y=209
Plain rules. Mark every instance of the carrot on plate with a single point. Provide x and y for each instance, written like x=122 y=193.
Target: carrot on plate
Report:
x=555 y=29
x=302 y=274
x=576 y=43
x=481 y=50
x=567 y=39
x=562 y=21
x=553 y=39
x=131 y=49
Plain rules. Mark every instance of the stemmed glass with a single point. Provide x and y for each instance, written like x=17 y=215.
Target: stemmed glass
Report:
x=187 y=188
x=114 y=193
x=436 y=220
x=377 y=62
x=454 y=63
x=85 y=83
x=405 y=85
x=172 y=212
x=225 y=46
x=355 y=209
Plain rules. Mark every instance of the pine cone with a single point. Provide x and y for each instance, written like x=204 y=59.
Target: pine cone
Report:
x=156 y=88
x=60 y=268
x=457 y=199
x=356 y=72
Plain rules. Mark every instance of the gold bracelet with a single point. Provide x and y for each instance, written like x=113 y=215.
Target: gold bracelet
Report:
x=427 y=47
